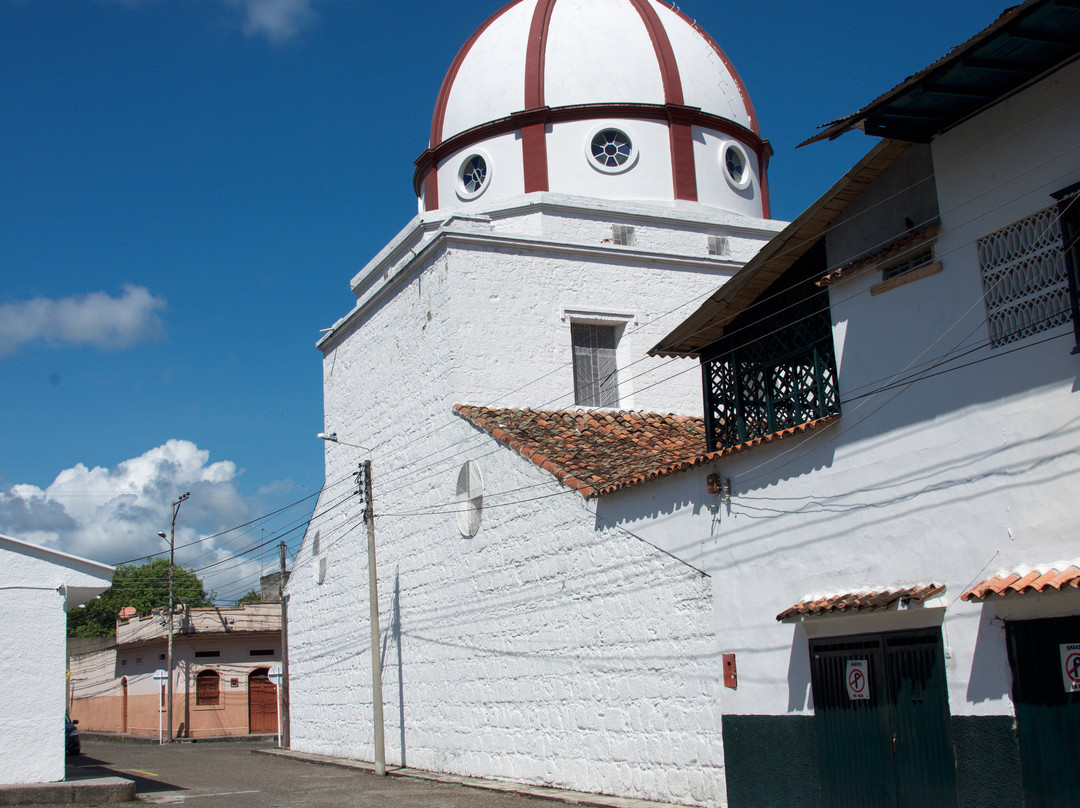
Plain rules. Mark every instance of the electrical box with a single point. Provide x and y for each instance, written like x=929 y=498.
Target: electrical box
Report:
x=731 y=675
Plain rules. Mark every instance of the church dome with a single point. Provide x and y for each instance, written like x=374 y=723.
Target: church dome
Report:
x=616 y=99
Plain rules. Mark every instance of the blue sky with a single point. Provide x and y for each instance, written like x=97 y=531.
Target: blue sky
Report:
x=187 y=187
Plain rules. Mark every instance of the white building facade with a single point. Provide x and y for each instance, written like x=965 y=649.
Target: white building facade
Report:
x=37 y=587
x=897 y=577
x=523 y=639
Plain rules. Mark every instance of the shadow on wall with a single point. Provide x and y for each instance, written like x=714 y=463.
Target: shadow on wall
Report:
x=800 y=693
x=394 y=633
x=989 y=679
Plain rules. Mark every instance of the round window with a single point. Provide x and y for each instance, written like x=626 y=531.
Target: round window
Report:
x=736 y=166
x=473 y=176
x=611 y=150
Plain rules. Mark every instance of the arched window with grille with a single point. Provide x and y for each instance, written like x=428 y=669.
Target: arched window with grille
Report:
x=207 y=688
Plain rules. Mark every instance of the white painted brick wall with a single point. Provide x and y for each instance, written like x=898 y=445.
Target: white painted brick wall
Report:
x=550 y=648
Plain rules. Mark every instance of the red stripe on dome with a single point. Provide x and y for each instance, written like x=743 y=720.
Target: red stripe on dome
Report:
x=727 y=63
x=680 y=134
x=431 y=202
x=534 y=138
x=536 y=54
x=665 y=54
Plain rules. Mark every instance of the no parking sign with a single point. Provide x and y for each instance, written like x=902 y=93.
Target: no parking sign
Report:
x=858 y=683
x=1070 y=666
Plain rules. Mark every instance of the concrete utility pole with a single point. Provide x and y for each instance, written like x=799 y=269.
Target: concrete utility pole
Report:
x=168 y=660
x=283 y=689
x=376 y=645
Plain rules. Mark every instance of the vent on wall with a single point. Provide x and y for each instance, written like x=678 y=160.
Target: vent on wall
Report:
x=623 y=234
x=718 y=245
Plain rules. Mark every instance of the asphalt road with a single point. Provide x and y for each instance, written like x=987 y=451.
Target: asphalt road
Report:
x=229 y=775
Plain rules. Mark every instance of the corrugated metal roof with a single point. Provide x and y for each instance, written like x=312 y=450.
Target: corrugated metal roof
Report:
x=1023 y=44
x=707 y=323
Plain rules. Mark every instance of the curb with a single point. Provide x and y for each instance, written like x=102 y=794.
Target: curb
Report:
x=523 y=789
x=100 y=791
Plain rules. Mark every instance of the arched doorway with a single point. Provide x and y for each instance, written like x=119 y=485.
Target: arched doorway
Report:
x=262 y=702
x=124 y=705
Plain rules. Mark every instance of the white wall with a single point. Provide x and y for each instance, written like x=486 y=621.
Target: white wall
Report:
x=33 y=623
x=550 y=648
x=948 y=479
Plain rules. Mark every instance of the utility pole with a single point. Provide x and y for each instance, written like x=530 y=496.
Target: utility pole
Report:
x=376 y=645
x=283 y=688
x=168 y=661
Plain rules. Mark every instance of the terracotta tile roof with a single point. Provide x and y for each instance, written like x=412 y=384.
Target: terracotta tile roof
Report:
x=598 y=452
x=874 y=600
x=907 y=243
x=1025 y=580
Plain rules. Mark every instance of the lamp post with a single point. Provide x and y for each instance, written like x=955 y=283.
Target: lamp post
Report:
x=169 y=653
x=373 y=601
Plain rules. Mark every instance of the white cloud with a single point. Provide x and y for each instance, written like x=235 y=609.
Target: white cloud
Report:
x=113 y=515
x=93 y=319
x=277 y=20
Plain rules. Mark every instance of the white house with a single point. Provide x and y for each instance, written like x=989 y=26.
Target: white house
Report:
x=566 y=225
x=896 y=580
x=37 y=587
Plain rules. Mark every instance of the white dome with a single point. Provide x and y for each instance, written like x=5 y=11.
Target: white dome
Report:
x=543 y=85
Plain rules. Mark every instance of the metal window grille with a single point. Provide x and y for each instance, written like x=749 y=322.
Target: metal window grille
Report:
x=914 y=262
x=775 y=368
x=623 y=234
x=596 y=383
x=207 y=689
x=1025 y=283
x=718 y=245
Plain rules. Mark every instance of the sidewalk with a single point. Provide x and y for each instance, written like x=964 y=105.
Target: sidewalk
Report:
x=542 y=792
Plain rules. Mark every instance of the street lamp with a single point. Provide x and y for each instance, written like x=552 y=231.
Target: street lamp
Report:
x=373 y=599
x=169 y=653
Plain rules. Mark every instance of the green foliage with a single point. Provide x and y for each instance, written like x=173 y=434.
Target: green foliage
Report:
x=145 y=587
x=250 y=597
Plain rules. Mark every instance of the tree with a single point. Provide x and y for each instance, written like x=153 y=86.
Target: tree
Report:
x=146 y=587
x=250 y=597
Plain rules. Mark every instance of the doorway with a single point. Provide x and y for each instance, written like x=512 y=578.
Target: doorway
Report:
x=1046 y=696
x=882 y=717
x=262 y=702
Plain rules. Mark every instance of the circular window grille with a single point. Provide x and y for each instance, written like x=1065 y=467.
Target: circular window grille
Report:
x=473 y=176
x=470 y=498
x=736 y=166
x=612 y=150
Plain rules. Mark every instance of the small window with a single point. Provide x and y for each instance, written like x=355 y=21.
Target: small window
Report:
x=623 y=235
x=473 y=175
x=207 y=688
x=1025 y=282
x=316 y=543
x=261 y=652
x=160 y=656
x=718 y=245
x=611 y=150
x=596 y=383
x=736 y=165
x=207 y=654
x=921 y=259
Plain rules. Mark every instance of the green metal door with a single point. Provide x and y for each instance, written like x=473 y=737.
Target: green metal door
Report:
x=1047 y=709
x=882 y=717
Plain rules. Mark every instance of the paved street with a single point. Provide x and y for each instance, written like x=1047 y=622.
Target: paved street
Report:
x=229 y=775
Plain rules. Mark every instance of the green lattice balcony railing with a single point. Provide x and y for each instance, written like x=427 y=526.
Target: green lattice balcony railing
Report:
x=771 y=371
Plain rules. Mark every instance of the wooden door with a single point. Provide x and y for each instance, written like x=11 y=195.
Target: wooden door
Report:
x=262 y=702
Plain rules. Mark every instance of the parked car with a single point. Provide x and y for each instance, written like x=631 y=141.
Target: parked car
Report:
x=71 y=736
